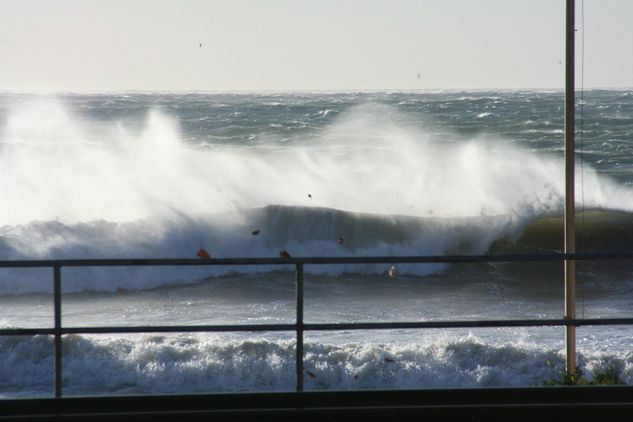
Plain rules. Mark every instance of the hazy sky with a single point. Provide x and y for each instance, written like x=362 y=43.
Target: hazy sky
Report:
x=307 y=44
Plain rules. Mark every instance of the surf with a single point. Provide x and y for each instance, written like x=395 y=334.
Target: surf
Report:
x=371 y=180
x=372 y=158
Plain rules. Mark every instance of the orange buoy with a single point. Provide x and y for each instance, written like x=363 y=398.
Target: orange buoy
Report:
x=203 y=254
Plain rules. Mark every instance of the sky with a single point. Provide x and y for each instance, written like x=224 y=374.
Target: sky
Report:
x=199 y=45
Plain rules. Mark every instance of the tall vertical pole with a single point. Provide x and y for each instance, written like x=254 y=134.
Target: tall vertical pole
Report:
x=570 y=267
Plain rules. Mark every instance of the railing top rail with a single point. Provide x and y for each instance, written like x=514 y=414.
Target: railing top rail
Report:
x=583 y=256
x=336 y=326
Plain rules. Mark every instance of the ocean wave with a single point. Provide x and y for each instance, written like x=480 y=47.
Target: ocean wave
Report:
x=370 y=158
x=302 y=231
x=381 y=180
x=157 y=364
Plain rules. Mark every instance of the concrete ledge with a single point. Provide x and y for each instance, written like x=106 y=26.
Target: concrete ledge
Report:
x=540 y=403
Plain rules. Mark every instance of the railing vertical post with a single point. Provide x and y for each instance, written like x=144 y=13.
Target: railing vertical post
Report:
x=569 y=215
x=299 y=325
x=57 y=292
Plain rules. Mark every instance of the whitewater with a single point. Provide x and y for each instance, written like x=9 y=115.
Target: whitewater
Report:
x=162 y=175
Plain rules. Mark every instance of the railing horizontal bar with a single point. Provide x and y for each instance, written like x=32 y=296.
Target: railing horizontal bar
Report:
x=27 y=331
x=147 y=329
x=179 y=328
x=323 y=326
x=467 y=324
x=317 y=260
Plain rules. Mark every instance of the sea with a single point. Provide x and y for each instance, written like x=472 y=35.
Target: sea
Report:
x=317 y=174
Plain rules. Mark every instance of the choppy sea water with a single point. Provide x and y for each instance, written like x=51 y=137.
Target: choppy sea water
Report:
x=153 y=175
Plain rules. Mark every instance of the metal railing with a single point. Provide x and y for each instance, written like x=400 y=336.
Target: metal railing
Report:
x=299 y=326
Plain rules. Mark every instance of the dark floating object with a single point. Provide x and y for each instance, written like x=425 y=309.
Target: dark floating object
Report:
x=255 y=232
x=310 y=195
x=284 y=254
x=203 y=254
x=389 y=360
x=309 y=373
x=340 y=240
x=356 y=376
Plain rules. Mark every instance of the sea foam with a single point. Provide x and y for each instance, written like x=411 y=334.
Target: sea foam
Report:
x=61 y=166
x=158 y=364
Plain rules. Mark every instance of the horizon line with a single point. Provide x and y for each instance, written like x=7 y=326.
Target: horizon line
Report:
x=302 y=90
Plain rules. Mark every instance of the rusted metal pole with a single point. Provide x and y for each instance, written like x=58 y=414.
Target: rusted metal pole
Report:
x=569 y=216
